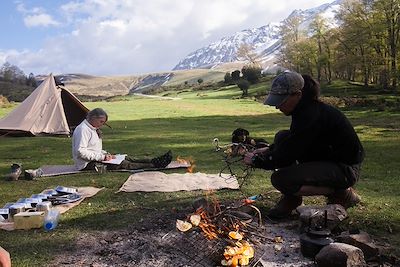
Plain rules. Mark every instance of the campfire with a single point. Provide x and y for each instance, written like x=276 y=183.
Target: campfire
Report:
x=188 y=161
x=230 y=225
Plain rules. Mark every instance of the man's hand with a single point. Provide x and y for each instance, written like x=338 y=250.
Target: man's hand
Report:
x=248 y=158
x=5 y=260
x=108 y=157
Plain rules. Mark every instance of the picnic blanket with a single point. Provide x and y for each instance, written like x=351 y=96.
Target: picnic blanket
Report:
x=155 y=181
x=85 y=192
x=55 y=170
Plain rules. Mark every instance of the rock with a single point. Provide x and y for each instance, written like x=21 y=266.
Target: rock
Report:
x=340 y=255
x=362 y=240
x=316 y=216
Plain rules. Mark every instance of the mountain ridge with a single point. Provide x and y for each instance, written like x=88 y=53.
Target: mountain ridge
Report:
x=264 y=39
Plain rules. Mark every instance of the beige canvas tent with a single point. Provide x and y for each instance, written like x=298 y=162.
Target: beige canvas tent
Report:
x=50 y=109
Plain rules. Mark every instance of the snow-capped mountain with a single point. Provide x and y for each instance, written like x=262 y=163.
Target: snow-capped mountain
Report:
x=225 y=50
x=265 y=40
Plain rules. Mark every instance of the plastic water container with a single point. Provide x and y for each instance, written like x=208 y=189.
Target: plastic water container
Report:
x=51 y=219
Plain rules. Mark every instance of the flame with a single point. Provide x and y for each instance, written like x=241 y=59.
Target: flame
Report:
x=214 y=224
x=189 y=161
x=209 y=229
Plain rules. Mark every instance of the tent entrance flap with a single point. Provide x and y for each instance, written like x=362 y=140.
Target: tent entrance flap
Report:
x=74 y=110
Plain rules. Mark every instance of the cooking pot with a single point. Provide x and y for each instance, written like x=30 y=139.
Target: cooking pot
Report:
x=313 y=241
x=16 y=208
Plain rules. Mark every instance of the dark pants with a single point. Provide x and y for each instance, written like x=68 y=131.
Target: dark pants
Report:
x=331 y=174
x=127 y=164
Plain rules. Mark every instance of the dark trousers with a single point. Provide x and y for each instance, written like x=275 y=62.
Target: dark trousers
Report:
x=331 y=174
x=127 y=164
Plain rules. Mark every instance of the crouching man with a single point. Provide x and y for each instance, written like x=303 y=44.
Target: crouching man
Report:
x=320 y=154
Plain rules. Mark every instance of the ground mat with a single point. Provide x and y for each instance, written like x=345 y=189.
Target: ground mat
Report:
x=55 y=170
x=154 y=181
x=85 y=192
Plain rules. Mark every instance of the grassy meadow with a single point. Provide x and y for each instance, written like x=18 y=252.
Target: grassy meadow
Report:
x=187 y=126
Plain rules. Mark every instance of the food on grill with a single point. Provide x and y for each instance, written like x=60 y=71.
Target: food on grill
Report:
x=195 y=219
x=238 y=255
x=235 y=235
x=183 y=226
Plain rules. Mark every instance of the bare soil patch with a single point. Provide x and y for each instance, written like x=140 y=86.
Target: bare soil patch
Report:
x=156 y=242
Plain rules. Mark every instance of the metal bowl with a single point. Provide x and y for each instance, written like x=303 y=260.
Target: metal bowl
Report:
x=26 y=202
x=39 y=196
x=49 y=192
x=66 y=190
x=7 y=205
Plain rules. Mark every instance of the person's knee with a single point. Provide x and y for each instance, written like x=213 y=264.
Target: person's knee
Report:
x=5 y=259
x=281 y=135
x=279 y=182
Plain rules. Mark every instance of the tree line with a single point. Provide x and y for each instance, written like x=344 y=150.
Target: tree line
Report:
x=363 y=47
x=13 y=74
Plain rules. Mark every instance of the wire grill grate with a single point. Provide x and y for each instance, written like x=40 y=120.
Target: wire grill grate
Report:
x=197 y=251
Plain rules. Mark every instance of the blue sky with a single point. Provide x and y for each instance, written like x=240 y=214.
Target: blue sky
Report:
x=121 y=37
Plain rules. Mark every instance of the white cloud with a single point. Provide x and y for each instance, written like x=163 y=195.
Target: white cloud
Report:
x=134 y=36
x=36 y=16
x=40 y=20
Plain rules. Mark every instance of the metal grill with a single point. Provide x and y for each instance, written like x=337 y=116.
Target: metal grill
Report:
x=197 y=251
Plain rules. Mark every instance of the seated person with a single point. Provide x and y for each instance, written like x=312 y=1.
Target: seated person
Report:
x=320 y=154
x=87 y=147
x=5 y=260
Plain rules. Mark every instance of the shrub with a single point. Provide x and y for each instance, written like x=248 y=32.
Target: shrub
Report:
x=4 y=101
x=228 y=78
x=235 y=75
x=200 y=80
x=251 y=73
x=244 y=85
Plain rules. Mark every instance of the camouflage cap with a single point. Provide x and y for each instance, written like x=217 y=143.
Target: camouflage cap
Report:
x=283 y=85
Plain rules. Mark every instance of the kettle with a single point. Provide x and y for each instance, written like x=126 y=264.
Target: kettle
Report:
x=315 y=238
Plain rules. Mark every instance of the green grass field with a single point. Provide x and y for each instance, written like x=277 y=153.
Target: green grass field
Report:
x=142 y=126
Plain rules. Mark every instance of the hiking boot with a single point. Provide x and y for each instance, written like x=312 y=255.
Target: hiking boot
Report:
x=16 y=170
x=345 y=197
x=32 y=174
x=284 y=207
x=162 y=161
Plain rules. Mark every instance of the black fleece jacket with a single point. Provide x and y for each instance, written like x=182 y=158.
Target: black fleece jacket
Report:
x=318 y=132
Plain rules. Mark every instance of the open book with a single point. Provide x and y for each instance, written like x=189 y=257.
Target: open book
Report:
x=118 y=159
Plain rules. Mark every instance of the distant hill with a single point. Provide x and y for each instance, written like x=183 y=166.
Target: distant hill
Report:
x=83 y=84
x=108 y=86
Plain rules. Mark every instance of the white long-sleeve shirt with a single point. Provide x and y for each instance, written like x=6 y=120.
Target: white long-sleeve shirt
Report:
x=86 y=145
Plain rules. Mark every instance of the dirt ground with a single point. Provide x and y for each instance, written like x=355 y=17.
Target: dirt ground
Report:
x=154 y=242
